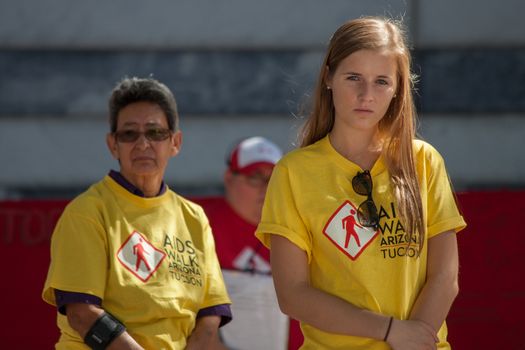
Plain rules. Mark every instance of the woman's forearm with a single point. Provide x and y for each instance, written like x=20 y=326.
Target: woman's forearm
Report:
x=332 y=314
x=81 y=318
x=434 y=303
x=329 y=313
x=205 y=335
x=298 y=299
x=441 y=288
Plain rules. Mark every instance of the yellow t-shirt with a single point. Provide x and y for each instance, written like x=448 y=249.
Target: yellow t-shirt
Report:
x=310 y=201
x=152 y=262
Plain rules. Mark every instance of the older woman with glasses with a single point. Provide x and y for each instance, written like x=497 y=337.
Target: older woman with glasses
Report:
x=133 y=264
x=361 y=219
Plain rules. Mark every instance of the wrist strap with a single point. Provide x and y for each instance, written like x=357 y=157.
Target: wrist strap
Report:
x=388 y=329
x=104 y=330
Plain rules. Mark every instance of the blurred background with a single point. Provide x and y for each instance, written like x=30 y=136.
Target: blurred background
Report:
x=242 y=68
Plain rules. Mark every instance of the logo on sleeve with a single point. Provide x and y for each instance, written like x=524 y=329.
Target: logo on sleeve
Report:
x=140 y=257
x=344 y=230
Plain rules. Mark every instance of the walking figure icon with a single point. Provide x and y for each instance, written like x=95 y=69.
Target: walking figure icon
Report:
x=140 y=256
x=350 y=224
x=139 y=251
x=344 y=230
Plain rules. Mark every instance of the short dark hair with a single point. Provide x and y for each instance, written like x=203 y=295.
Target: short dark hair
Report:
x=131 y=90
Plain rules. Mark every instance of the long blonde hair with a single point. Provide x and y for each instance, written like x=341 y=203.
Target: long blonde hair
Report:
x=397 y=127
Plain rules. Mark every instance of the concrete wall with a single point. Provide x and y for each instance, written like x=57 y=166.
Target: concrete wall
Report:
x=469 y=23
x=241 y=68
x=176 y=24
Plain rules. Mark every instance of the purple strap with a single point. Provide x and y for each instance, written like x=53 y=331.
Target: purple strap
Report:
x=63 y=298
x=223 y=310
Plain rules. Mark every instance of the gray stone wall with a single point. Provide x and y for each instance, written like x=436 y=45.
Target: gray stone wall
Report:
x=67 y=83
x=241 y=68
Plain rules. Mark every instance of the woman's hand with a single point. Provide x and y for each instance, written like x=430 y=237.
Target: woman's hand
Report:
x=412 y=335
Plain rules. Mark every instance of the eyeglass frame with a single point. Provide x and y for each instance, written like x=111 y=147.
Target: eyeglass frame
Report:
x=372 y=216
x=148 y=134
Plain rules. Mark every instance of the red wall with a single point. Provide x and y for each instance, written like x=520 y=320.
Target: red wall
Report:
x=25 y=227
x=488 y=313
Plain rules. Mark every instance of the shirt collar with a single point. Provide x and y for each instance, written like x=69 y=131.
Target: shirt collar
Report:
x=121 y=180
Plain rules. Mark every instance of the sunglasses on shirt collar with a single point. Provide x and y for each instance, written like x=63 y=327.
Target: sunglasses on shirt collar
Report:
x=367 y=211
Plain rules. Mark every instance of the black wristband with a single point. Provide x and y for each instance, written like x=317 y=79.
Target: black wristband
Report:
x=104 y=330
x=388 y=329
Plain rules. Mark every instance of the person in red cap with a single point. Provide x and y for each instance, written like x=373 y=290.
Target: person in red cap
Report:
x=258 y=322
x=250 y=166
x=235 y=216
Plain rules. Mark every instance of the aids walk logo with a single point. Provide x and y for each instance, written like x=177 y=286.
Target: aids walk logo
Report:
x=344 y=230
x=140 y=257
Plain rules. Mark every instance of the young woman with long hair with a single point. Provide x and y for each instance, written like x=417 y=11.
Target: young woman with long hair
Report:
x=361 y=219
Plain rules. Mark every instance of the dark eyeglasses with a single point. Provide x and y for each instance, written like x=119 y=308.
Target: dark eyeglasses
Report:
x=128 y=136
x=367 y=211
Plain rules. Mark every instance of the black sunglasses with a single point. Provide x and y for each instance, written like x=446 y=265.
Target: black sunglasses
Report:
x=367 y=211
x=128 y=136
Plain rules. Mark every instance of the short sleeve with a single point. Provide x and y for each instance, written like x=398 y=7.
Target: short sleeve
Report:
x=281 y=215
x=443 y=213
x=79 y=260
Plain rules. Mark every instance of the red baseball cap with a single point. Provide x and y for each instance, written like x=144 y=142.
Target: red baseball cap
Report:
x=253 y=152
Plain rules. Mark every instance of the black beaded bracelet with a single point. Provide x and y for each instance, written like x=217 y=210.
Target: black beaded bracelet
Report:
x=105 y=329
x=388 y=329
